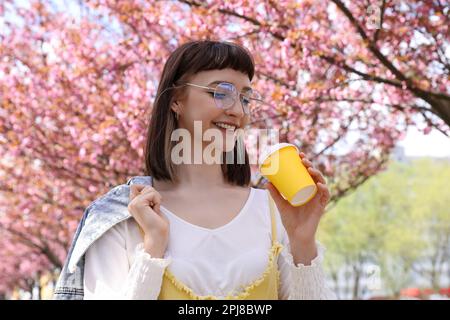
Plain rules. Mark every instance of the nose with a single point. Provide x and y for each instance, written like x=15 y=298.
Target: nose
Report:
x=236 y=110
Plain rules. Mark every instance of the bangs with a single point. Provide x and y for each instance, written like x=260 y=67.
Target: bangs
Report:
x=210 y=55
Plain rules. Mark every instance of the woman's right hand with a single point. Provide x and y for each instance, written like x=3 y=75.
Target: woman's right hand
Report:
x=144 y=206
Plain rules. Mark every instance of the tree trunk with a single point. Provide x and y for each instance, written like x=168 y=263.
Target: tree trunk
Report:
x=441 y=106
x=334 y=276
x=39 y=290
x=30 y=288
x=356 y=282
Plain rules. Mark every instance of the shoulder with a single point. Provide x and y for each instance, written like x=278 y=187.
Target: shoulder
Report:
x=101 y=215
x=261 y=201
x=110 y=208
x=260 y=194
x=115 y=200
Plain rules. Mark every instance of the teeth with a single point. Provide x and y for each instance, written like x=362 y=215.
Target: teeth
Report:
x=224 y=125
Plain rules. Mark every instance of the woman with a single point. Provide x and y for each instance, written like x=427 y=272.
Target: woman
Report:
x=199 y=230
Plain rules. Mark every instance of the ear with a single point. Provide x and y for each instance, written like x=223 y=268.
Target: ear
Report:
x=176 y=106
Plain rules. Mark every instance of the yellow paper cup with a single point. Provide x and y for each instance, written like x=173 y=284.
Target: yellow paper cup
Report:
x=283 y=167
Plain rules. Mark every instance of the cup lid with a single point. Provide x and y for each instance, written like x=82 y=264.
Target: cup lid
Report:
x=272 y=149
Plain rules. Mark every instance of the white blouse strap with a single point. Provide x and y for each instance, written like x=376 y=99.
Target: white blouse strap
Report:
x=272 y=216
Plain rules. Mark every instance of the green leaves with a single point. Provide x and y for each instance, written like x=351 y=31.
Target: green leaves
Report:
x=399 y=219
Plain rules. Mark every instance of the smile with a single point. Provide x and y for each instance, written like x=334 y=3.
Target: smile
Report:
x=224 y=126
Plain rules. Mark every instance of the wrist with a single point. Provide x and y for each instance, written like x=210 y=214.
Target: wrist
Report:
x=302 y=236
x=301 y=240
x=303 y=251
x=153 y=249
x=156 y=253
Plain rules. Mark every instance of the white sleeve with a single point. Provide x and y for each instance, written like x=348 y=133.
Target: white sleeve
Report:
x=301 y=282
x=108 y=275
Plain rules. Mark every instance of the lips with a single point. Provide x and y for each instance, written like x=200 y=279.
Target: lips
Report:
x=225 y=125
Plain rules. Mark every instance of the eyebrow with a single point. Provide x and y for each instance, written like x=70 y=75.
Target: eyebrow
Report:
x=220 y=81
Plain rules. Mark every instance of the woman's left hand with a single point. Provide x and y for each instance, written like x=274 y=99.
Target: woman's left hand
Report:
x=301 y=222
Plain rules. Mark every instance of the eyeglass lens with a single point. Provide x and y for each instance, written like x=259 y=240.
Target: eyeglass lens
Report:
x=225 y=95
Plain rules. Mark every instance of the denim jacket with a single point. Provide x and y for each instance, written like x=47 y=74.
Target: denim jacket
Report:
x=100 y=216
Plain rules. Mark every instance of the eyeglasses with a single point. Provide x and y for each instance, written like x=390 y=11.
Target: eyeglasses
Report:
x=225 y=96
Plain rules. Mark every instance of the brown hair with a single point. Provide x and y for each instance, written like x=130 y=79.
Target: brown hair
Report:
x=189 y=59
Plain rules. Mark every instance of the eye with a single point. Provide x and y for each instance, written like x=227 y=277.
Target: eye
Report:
x=219 y=95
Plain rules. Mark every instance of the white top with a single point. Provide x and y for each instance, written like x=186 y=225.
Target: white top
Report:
x=209 y=261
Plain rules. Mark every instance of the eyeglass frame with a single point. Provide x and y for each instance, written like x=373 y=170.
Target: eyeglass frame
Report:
x=237 y=95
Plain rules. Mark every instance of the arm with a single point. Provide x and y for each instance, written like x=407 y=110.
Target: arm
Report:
x=304 y=254
x=108 y=274
x=302 y=278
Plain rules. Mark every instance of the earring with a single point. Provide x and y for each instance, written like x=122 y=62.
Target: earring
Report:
x=177 y=115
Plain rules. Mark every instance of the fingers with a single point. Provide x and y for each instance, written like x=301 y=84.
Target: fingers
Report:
x=317 y=175
x=325 y=193
x=147 y=189
x=307 y=163
x=146 y=194
x=140 y=189
x=152 y=197
x=135 y=189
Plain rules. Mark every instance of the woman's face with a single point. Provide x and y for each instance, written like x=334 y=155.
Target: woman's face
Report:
x=198 y=104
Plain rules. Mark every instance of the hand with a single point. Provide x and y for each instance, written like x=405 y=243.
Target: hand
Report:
x=301 y=222
x=144 y=206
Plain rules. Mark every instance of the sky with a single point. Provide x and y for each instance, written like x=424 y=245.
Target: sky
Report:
x=416 y=144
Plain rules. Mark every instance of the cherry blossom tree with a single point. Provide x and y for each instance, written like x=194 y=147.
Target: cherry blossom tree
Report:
x=77 y=85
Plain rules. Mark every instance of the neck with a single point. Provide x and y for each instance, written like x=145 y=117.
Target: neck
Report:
x=194 y=176
x=199 y=176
